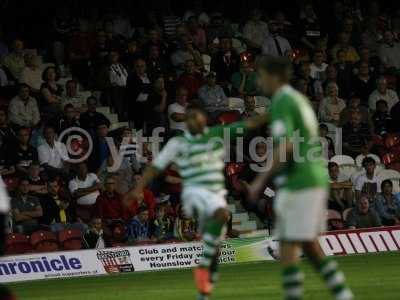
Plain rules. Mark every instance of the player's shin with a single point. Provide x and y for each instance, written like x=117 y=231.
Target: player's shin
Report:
x=293 y=279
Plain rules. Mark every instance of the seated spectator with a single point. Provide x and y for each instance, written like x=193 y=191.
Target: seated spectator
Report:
x=23 y=154
x=389 y=51
x=50 y=77
x=386 y=205
x=355 y=134
x=363 y=216
x=7 y=134
x=185 y=229
x=23 y=109
x=101 y=150
x=156 y=63
x=26 y=209
x=85 y=189
x=368 y=183
x=53 y=155
x=156 y=106
x=382 y=93
x=314 y=88
x=383 y=122
x=37 y=185
x=354 y=104
x=109 y=203
x=255 y=30
x=164 y=222
x=185 y=52
x=197 y=34
x=331 y=106
x=69 y=119
x=213 y=97
x=343 y=44
x=191 y=79
x=225 y=62
x=94 y=235
x=31 y=74
x=249 y=107
x=323 y=133
x=363 y=84
x=244 y=82
x=72 y=96
x=344 y=71
x=139 y=227
x=177 y=111
x=318 y=66
x=50 y=105
x=91 y=118
x=14 y=61
x=341 y=193
x=274 y=44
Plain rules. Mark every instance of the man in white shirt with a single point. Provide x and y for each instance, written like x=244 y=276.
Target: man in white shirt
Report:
x=85 y=186
x=255 y=30
x=318 y=66
x=177 y=111
x=369 y=182
x=32 y=74
x=274 y=44
x=23 y=109
x=53 y=155
x=382 y=93
x=73 y=97
x=389 y=52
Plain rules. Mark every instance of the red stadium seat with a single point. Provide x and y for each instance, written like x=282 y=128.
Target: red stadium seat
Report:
x=70 y=239
x=44 y=241
x=391 y=140
x=229 y=117
x=17 y=243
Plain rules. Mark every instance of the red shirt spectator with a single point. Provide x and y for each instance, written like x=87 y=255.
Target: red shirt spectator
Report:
x=191 y=79
x=109 y=206
x=147 y=200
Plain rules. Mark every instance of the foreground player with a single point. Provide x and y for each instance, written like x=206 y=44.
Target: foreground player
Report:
x=199 y=156
x=301 y=178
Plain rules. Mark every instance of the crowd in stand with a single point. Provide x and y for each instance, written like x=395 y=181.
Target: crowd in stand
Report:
x=148 y=73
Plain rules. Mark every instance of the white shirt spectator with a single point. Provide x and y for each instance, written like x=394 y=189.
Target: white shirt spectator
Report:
x=176 y=108
x=255 y=31
x=316 y=72
x=32 y=77
x=78 y=101
x=390 y=55
x=53 y=156
x=390 y=97
x=24 y=114
x=276 y=46
x=363 y=180
x=329 y=111
x=118 y=75
x=90 y=180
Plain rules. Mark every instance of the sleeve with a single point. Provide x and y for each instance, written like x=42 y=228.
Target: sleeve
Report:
x=63 y=152
x=43 y=155
x=359 y=184
x=282 y=124
x=94 y=178
x=168 y=154
x=72 y=186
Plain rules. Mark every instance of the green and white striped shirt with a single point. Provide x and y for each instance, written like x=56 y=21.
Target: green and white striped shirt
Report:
x=200 y=158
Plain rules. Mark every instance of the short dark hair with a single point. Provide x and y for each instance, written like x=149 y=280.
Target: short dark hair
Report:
x=91 y=98
x=332 y=164
x=368 y=160
x=44 y=74
x=381 y=101
x=280 y=66
x=386 y=181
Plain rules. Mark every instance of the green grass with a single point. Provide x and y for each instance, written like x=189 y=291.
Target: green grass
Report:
x=372 y=277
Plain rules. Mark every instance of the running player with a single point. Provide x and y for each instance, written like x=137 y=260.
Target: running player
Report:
x=301 y=178
x=199 y=156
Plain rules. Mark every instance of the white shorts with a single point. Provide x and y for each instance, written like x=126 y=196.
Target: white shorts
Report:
x=202 y=203
x=301 y=214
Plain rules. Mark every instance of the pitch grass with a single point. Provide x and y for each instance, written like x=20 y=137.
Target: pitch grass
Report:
x=372 y=277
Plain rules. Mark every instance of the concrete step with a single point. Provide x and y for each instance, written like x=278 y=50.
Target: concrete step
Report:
x=104 y=110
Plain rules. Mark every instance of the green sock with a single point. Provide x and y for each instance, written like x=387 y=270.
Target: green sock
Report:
x=293 y=280
x=334 y=279
x=211 y=242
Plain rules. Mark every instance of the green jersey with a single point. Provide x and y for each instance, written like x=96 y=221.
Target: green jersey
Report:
x=293 y=120
x=200 y=158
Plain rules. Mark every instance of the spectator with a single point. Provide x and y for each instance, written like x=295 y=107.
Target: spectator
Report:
x=185 y=52
x=309 y=27
x=85 y=189
x=50 y=104
x=344 y=72
x=389 y=51
x=382 y=93
x=69 y=119
x=323 y=133
x=213 y=97
x=133 y=52
x=31 y=74
x=249 y=107
x=91 y=118
x=50 y=76
x=94 y=235
x=72 y=96
x=383 y=122
x=156 y=105
x=274 y=44
x=118 y=76
x=139 y=227
x=156 y=63
x=101 y=150
x=109 y=203
x=191 y=79
x=386 y=205
x=363 y=216
x=197 y=34
x=363 y=84
x=318 y=66
x=225 y=62
x=331 y=106
x=368 y=183
x=7 y=134
x=26 y=209
x=23 y=109
x=255 y=31
x=177 y=111
x=343 y=44
x=341 y=193
x=23 y=154
x=185 y=229
x=244 y=82
x=53 y=155
x=164 y=222
x=354 y=104
x=37 y=186
x=355 y=134
x=14 y=61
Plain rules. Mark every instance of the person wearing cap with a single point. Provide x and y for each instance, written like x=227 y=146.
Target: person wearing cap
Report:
x=212 y=96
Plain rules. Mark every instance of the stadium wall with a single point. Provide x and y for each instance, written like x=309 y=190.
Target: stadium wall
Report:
x=182 y=255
